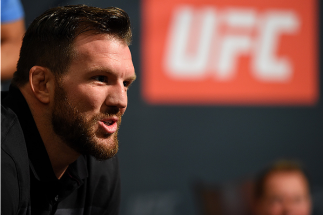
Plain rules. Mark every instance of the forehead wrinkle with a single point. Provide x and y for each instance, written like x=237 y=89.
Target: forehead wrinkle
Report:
x=82 y=41
x=91 y=49
x=96 y=51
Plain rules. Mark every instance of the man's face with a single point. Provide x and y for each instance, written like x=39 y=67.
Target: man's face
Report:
x=285 y=193
x=91 y=96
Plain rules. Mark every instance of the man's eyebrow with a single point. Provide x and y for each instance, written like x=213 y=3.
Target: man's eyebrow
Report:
x=132 y=78
x=98 y=70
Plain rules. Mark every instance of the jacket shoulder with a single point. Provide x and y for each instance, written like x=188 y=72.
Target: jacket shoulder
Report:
x=14 y=165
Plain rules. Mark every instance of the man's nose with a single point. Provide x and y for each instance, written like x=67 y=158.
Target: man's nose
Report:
x=117 y=96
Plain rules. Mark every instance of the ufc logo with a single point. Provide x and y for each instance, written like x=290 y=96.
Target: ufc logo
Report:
x=209 y=42
x=232 y=52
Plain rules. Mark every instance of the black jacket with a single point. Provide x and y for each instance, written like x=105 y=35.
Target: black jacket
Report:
x=28 y=182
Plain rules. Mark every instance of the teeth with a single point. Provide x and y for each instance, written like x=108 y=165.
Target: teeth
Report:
x=108 y=122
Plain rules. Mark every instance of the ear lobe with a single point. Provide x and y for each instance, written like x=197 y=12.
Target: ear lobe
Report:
x=39 y=79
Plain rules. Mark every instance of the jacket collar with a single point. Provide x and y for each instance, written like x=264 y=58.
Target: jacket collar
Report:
x=38 y=156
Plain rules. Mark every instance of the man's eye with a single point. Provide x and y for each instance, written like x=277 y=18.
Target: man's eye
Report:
x=127 y=83
x=101 y=78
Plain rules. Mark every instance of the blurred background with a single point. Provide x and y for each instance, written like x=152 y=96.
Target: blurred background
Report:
x=212 y=106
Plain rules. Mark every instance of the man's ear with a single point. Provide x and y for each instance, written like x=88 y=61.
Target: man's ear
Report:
x=40 y=80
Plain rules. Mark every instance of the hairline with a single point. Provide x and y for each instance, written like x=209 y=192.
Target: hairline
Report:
x=279 y=167
x=73 y=52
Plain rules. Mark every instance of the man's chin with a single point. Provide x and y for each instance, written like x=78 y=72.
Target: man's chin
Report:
x=104 y=156
x=104 y=148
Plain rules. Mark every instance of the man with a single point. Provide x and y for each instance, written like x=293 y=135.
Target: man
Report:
x=61 y=116
x=12 y=31
x=283 y=189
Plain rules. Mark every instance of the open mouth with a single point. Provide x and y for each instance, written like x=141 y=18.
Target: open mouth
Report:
x=109 y=122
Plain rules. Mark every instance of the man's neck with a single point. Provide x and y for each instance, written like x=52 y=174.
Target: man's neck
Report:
x=60 y=155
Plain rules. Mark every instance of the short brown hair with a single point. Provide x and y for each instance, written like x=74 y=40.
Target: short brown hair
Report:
x=48 y=42
x=279 y=166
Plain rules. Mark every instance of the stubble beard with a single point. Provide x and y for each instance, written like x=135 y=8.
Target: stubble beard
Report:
x=81 y=134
